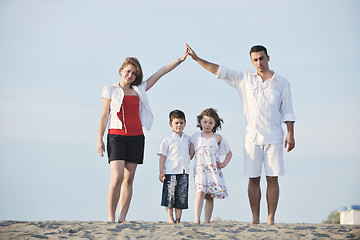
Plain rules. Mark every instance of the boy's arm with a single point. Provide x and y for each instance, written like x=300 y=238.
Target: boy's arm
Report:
x=211 y=67
x=161 y=167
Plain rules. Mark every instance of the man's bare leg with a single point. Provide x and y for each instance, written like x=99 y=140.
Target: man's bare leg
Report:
x=272 y=197
x=254 y=194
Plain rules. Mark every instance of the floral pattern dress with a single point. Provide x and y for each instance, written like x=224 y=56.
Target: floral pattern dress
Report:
x=208 y=177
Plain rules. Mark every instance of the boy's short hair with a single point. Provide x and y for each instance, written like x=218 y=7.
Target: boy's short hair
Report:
x=177 y=114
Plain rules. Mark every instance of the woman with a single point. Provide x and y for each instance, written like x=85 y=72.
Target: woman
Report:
x=127 y=106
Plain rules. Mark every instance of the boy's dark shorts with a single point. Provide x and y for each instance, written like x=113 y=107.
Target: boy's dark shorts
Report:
x=175 y=191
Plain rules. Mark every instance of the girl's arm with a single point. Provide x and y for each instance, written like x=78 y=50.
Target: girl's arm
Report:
x=104 y=118
x=161 y=168
x=164 y=70
x=192 y=151
x=226 y=161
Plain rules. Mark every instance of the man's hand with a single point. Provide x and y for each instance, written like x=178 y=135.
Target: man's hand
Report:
x=191 y=52
x=290 y=142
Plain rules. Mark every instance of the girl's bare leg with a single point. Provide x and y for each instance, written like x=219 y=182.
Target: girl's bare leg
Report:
x=126 y=190
x=199 y=201
x=170 y=214
x=116 y=179
x=209 y=206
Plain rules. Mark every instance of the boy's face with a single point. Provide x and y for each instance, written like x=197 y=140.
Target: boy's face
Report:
x=178 y=125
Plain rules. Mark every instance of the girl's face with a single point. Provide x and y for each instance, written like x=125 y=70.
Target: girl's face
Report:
x=128 y=74
x=207 y=124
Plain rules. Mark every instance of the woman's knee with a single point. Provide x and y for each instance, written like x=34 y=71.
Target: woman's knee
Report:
x=116 y=180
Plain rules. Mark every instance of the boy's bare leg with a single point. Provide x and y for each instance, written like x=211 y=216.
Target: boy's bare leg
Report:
x=170 y=214
x=178 y=213
x=199 y=201
x=272 y=197
x=254 y=194
x=209 y=206
x=116 y=178
x=126 y=190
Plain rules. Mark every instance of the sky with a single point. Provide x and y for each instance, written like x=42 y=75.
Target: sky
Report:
x=56 y=56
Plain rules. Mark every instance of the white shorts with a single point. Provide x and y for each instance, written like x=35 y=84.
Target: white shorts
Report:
x=269 y=154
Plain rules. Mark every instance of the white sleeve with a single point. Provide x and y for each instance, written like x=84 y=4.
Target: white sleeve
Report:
x=224 y=147
x=106 y=92
x=164 y=147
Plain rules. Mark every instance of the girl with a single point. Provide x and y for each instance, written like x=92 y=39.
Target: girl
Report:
x=126 y=109
x=208 y=147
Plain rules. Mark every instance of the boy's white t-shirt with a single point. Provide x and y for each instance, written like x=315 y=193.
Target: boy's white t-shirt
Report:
x=176 y=151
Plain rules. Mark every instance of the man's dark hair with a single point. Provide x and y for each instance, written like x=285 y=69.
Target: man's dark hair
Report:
x=258 y=48
x=176 y=114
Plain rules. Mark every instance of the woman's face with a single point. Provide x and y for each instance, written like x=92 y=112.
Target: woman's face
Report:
x=128 y=74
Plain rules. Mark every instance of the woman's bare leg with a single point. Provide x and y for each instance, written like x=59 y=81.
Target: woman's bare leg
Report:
x=126 y=190
x=116 y=179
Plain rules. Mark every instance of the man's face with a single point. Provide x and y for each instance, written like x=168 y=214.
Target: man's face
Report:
x=260 y=61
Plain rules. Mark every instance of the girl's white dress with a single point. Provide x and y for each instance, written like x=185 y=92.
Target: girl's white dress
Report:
x=208 y=177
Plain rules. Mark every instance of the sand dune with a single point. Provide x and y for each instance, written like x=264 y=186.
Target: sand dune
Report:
x=163 y=230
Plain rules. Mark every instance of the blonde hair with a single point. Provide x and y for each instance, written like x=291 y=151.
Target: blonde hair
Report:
x=139 y=74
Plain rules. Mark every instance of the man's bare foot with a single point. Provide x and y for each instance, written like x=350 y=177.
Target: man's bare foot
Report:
x=255 y=222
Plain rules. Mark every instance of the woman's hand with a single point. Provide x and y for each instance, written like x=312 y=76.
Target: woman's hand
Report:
x=100 y=147
x=186 y=53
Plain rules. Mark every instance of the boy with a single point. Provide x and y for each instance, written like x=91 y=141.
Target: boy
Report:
x=174 y=167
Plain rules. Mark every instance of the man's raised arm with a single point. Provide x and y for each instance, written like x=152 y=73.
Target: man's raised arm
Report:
x=211 y=67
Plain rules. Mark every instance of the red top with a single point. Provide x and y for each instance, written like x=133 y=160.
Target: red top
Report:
x=129 y=116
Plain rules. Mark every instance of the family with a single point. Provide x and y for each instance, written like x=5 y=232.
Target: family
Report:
x=267 y=103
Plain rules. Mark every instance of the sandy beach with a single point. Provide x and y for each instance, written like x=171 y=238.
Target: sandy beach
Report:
x=163 y=230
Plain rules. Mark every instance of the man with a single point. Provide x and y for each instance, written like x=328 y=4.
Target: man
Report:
x=267 y=103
